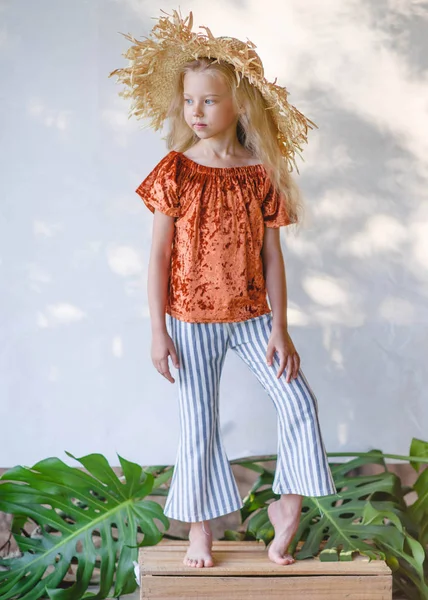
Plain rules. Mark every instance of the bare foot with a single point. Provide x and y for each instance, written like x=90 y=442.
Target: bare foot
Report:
x=199 y=551
x=284 y=514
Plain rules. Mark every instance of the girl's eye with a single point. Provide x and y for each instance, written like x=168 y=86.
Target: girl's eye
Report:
x=188 y=100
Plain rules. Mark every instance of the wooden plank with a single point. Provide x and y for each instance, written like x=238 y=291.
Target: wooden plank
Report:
x=254 y=562
x=351 y=587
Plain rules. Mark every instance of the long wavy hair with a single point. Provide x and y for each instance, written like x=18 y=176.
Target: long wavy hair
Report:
x=256 y=129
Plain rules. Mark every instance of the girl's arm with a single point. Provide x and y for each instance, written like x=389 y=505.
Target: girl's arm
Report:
x=157 y=288
x=276 y=287
x=159 y=269
x=274 y=271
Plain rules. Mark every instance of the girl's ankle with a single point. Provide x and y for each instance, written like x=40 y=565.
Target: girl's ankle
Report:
x=201 y=526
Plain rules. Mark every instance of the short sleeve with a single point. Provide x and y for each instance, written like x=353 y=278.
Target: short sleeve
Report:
x=159 y=188
x=273 y=207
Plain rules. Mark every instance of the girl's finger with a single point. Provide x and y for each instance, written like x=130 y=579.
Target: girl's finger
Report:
x=269 y=355
x=296 y=360
x=282 y=364
x=174 y=357
x=164 y=370
x=289 y=368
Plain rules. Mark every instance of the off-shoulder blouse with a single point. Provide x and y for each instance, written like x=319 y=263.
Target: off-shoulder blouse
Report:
x=216 y=269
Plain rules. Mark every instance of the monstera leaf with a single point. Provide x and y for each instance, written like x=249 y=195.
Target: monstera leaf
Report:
x=404 y=554
x=89 y=519
x=331 y=526
x=419 y=509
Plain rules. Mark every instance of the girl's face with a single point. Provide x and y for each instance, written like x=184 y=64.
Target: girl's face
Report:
x=208 y=101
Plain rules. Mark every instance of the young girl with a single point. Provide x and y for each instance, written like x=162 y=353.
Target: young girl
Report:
x=219 y=197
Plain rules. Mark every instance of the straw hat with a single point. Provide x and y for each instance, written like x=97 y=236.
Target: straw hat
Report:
x=155 y=62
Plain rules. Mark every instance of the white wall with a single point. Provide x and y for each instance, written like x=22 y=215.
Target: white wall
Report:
x=75 y=368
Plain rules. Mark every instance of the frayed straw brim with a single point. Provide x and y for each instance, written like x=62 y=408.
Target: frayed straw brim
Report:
x=156 y=61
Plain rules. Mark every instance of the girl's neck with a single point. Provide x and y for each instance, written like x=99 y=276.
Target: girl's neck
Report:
x=239 y=157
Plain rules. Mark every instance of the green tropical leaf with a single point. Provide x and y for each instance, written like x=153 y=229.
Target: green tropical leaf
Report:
x=330 y=526
x=418 y=511
x=91 y=519
x=161 y=478
x=233 y=536
x=419 y=449
x=404 y=554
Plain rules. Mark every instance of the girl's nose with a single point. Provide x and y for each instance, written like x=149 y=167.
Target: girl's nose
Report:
x=197 y=111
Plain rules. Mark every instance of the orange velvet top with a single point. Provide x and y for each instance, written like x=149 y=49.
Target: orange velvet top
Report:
x=216 y=269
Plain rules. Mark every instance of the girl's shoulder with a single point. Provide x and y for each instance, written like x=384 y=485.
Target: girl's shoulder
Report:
x=159 y=189
x=172 y=165
x=169 y=160
x=165 y=170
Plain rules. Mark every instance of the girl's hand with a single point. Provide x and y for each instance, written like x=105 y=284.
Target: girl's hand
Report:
x=162 y=347
x=281 y=342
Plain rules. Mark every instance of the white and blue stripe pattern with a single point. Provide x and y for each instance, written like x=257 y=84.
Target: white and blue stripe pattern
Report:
x=203 y=485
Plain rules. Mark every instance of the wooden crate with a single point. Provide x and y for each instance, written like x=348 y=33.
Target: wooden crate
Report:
x=242 y=570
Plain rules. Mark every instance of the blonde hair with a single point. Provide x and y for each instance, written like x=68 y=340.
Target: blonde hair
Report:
x=256 y=129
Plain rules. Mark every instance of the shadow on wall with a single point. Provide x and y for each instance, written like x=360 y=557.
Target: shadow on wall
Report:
x=75 y=309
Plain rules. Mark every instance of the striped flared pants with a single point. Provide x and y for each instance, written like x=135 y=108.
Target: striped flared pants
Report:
x=203 y=485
